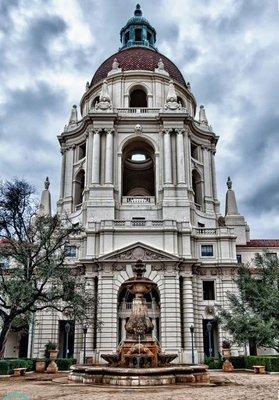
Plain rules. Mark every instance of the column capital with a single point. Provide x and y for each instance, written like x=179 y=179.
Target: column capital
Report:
x=166 y=131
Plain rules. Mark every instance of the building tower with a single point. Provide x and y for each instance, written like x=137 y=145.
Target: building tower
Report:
x=138 y=174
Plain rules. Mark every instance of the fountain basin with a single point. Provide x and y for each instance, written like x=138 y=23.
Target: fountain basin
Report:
x=104 y=375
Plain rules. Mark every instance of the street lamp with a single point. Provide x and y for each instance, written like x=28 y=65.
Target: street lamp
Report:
x=67 y=330
x=209 y=328
x=84 y=343
x=192 y=343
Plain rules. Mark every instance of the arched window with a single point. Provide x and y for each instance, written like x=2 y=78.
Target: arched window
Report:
x=138 y=169
x=124 y=310
x=95 y=101
x=181 y=101
x=138 y=98
x=79 y=187
x=197 y=188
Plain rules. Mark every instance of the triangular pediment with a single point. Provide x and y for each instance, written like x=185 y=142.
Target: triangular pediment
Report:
x=138 y=251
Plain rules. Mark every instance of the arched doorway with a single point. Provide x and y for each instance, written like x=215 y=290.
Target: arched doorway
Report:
x=138 y=169
x=124 y=309
x=197 y=188
x=138 y=98
x=79 y=187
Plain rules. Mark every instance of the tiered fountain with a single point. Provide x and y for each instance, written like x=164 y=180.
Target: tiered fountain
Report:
x=139 y=359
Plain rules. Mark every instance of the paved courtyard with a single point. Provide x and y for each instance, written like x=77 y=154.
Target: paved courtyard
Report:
x=235 y=386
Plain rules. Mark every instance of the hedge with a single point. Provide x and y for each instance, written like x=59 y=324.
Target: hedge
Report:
x=7 y=365
x=271 y=363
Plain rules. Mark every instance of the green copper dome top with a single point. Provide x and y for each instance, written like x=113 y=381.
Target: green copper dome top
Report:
x=138 y=32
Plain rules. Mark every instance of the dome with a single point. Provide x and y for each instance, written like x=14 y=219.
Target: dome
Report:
x=138 y=58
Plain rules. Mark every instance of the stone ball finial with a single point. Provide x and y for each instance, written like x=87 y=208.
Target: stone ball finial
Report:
x=47 y=183
x=138 y=12
x=229 y=183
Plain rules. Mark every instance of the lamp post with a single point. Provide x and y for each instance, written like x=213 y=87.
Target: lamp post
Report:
x=84 y=343
x=209 y=328
x=67 y=330
x=192 y=343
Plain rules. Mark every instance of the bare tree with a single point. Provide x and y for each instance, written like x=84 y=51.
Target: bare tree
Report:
x=37 y=276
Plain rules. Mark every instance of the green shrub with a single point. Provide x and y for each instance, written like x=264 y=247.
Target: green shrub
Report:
x=64 y=364
x=213 y=363
x=7 y=365
x=271 y=363
x=238 y=362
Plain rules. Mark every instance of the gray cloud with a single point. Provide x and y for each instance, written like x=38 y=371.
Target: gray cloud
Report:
x=228 y=50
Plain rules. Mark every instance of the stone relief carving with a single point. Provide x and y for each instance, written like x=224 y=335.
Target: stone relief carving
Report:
x=139 y=253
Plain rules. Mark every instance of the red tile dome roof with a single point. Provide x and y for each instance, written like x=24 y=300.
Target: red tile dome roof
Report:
x=138 y=58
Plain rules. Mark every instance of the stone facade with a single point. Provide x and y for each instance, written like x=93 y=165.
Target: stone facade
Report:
x=138 y=174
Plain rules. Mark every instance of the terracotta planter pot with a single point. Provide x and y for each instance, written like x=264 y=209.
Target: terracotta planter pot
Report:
x=53 y=354
x=40 y=366
x=226 y=353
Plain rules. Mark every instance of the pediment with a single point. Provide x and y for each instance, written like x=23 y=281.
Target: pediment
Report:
x=138 y=251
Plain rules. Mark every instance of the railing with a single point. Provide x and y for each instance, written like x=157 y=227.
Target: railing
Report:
x=213 y=231
x=138 y=200
x=139 y=223
x=138 y=110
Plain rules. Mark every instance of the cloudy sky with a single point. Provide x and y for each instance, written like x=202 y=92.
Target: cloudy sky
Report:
x=228 y=50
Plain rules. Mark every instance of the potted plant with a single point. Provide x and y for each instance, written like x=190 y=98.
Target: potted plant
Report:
x=51 y=350
x=226 y=348
x=40 y=365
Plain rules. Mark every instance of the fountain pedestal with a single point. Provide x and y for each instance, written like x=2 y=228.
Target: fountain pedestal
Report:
x=139 y=359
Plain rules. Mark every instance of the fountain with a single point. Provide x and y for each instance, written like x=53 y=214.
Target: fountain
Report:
x=139 y=359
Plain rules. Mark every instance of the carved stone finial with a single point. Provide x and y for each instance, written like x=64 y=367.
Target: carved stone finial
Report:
x=47 y=183
x=229 y=183
x=202 y=116
x=161 y=65
x=139 y=268
x=87 y=86
x=171 y=101
x=188 y=86
x=74 y=116
x=105 y=102
x=115 y=64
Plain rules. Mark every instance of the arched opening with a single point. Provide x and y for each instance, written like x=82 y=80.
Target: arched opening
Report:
x=138 y=98
x=95 y=101
x=197 y=188
x=79 y=187
x=180 y=101
x=138 y=169
x=124 y=309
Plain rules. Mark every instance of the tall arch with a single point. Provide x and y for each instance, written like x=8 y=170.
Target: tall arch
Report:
x=124 y=309
x=138 y=168
x=197 y=188
x=138 y=97
x=79 y=184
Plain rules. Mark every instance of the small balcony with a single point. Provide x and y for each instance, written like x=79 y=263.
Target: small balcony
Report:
x=135 y=111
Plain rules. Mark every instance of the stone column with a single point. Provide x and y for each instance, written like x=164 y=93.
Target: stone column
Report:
x=213 y=174
x=180 y=157
x=62 y=178
x=89 y=149
x=96 y=158
x=109 y=154
x=188 y=314
x=123 y=331
x=69 y=172
x=167 y=157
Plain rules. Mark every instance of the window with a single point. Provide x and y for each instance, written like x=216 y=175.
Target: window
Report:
x=208 y=290
x=127 y=37
x=272 y=256
x=4 y=262
x=138 y=98
x=82 y=151
x=70 y=251
x=138 y=35
x=194 y=151
x=239 y=258
x=197 y=188
x=207 y=250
